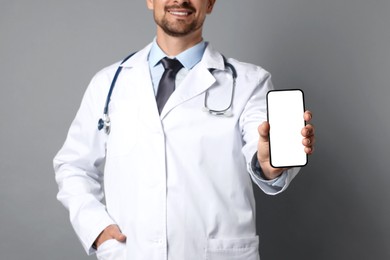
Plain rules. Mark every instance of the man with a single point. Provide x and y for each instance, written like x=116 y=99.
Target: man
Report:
x=177 y=179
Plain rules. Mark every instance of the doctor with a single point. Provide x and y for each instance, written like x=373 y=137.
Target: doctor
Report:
x=173 y=181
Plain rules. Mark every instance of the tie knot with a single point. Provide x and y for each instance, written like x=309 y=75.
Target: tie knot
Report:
x=171 y=64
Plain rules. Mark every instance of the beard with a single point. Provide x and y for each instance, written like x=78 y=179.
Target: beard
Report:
x=178 y=28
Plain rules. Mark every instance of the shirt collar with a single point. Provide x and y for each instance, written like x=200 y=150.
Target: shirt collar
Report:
x=189 y=58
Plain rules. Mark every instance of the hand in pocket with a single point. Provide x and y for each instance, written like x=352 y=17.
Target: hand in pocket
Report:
x=110 y=232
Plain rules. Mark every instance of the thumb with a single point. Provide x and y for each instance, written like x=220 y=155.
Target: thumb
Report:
x=117 y=234
x=264 y=131
x=120 y=237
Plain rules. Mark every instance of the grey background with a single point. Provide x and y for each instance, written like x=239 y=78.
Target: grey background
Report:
x=337 y=51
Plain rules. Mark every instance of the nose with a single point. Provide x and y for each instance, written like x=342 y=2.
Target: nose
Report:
x=183 y=3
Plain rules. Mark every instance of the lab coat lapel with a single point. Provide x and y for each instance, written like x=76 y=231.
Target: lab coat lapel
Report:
x=139 y=76
x=198 y=80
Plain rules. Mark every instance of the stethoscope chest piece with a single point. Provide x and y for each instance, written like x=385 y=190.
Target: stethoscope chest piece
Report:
x=105 y=123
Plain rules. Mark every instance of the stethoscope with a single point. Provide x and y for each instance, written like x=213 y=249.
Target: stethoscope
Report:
x=105 y=122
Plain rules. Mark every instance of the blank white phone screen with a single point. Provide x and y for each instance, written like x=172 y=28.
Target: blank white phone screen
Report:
x=285 y=115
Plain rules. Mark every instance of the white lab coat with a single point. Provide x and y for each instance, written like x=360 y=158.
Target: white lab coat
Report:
x=177 y=184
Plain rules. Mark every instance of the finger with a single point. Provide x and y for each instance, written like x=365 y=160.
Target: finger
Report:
x=264 y=131
x=307 y=142
x=309 y=150
x=307 y=116
x=308 y=130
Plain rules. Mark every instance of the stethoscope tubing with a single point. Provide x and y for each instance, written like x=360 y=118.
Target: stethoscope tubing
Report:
x=106 y=121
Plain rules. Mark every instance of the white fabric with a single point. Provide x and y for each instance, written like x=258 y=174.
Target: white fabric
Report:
x=177 y=184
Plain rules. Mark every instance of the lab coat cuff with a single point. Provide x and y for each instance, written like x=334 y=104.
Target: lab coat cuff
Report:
x=275 y=186
x=255 y=165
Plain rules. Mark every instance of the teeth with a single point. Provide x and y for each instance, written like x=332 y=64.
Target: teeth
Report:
x=179 y=13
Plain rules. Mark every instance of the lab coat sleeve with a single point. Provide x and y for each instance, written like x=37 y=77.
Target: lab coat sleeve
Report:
x=78 y=168
x=255 y=112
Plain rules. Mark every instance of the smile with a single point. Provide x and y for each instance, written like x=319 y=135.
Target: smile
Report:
x=180 y=13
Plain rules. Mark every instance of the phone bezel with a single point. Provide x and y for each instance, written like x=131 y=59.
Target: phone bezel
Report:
x=270 y=145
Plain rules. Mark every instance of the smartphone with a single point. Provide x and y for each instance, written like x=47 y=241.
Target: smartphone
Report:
x=285 y=109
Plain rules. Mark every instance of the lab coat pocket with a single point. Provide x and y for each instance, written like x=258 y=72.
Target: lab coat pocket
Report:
x=233 y=249
x=111 y=250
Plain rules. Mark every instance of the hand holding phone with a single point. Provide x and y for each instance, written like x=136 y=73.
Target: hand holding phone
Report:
x=285 y=109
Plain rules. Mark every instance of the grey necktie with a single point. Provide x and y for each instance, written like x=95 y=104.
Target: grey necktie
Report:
x=167 y=82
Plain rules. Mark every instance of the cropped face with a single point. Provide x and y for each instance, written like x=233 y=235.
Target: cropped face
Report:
x=180 y=17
